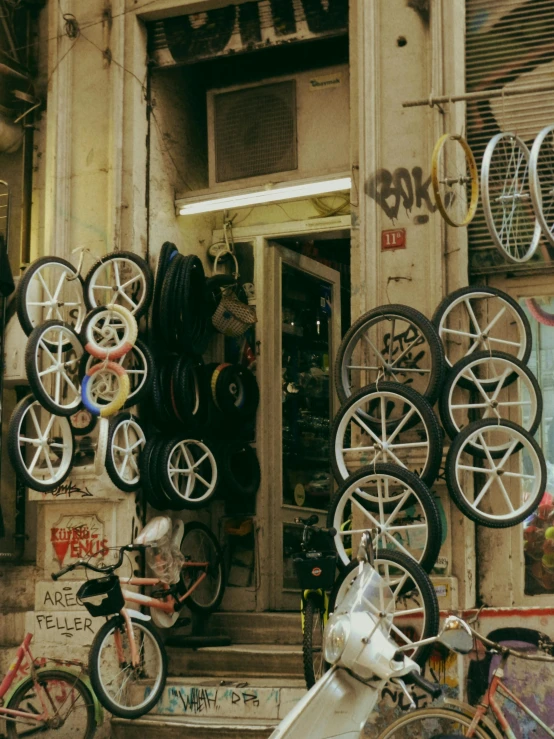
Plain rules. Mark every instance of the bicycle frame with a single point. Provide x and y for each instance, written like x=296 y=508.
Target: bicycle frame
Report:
x=489 y=701
x=24 y=654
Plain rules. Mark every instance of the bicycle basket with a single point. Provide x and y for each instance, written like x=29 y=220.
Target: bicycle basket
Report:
x=102 y=597
x=316 y=570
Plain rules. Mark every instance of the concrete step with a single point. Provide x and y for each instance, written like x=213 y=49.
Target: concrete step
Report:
x=240 y=660
x=262 y=699
x=163 y=728
x=17 y=585
x=12 y=626
x=259 y=628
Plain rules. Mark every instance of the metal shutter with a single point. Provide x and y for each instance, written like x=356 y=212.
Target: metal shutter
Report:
x=509 y=43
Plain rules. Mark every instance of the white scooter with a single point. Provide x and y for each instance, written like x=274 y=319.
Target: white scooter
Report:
x=362 y=656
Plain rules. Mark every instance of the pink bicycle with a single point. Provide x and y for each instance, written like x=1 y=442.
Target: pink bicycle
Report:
x=48 y=700
x=127 y=660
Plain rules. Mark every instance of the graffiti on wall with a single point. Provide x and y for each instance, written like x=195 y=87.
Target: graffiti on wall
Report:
x=75 y=537
x=404 y=188
x=245 y=27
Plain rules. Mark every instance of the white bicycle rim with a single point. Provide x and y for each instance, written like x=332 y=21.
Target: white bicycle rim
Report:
x=506 y=198
x=111 y=333
x=110 y=284
x=541 y=180
x=488 y=334
x=53 y=368
x=51 y=295
x=127 y=442
x=47 y=440
x=182 y=470
x=134 y=363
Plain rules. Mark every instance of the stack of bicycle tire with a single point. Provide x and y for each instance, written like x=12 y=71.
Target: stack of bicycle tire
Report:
x=89 y=364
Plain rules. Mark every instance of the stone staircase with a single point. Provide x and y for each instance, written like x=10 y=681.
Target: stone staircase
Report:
x=240 y=691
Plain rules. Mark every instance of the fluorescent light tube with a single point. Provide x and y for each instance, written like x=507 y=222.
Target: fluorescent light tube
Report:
x=268 y=195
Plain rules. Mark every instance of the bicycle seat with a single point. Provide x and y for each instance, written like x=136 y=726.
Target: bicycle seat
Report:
x=311 y=521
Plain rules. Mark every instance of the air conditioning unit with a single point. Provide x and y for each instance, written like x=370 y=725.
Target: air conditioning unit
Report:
x=283 y=129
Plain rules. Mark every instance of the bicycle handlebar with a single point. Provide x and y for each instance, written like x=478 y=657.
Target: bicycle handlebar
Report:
x=434 y=689
x=509 y=651
x=103 y=570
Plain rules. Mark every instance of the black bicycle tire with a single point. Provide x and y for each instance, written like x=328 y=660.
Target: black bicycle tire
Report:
x=453 y=296
x=44 y=675
x=434 y=526
x=428 y=330
x=183 y=390
x=458 y=497
x=167 y=294
x=432 y=712
x=426 y=412
x=191 y=603
x=104 y=699
x=224 y=398
x=195 y=319
x=149 y=487
x=150 y=365
x=231 y=484
x=444 y=407
x=14 y=452
x=87 y=429
x=141 y=263
x=113 y=474
x=421 y=579
x=162 y=461
x=168 y=249
x=20 y=301
x=31 y=369
x=312 y=605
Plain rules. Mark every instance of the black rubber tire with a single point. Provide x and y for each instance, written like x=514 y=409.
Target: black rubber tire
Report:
x=141 y=347
x=111 y=469
x=83 y=430
x=418 y=577
x=225 y=397
x=167 y=251
x=167 y=293
x=14 y=450
x=141 y=263
x=239 y=469
x=313 y=615
x=149 y=477
x=426 y=412
x=191 y=602
x=44 y=676
x=430 y=508
x=165 y=451
x=32 y=370
x=185 y=392
x=427 y=329
x=445 y=304
x=20 y=296
x=444 y=405
x=398 y=730
x=104 y=699
x=457 y=495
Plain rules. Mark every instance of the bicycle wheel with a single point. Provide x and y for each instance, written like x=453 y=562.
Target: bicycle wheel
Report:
x=386 y=422
x=513 y=389
x=416 y=609
x=505 y=194
x=200 y=546
x=50 y=289
x=455 y=180
x=428 y=723
x=541 y=180
x=538 y=313
x=476 y=319
x=411 y=524
x=504 y=492
x=122 y=278
x=40 y=445
x=109 y=332
x=394 y=342
x=52 y=359
x=126 y=440
x=105 y=389
x=124 y=690
x=188 y=472
x=69 y=701
x=312 y=639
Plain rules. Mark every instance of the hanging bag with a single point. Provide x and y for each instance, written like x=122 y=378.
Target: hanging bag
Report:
x=232 y=317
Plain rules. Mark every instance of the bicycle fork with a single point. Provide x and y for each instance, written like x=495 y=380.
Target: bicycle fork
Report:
x=130 y=637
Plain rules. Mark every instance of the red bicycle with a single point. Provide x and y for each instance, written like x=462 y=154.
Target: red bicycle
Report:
x=48 y=700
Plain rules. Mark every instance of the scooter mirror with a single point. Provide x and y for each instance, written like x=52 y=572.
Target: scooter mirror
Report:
x=456 y=635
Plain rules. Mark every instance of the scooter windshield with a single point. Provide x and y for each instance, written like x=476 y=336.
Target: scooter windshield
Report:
x=366 y=591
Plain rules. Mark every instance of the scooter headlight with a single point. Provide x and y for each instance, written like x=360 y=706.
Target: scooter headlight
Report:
x=336 y=638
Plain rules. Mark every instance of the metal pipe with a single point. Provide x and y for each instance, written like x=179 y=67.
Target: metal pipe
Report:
x=499 y=92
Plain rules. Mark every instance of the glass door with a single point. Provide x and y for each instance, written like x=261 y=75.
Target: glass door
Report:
x=307 y=335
